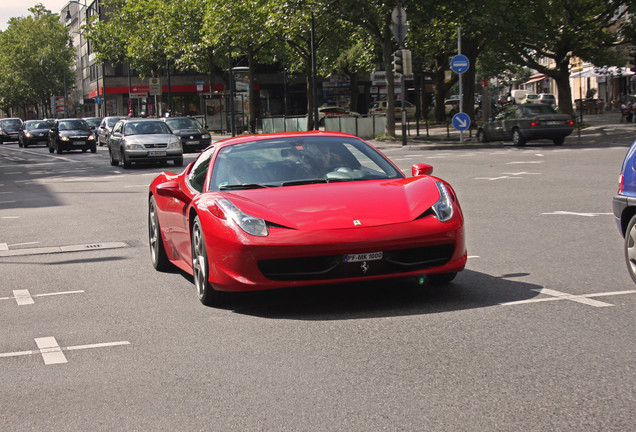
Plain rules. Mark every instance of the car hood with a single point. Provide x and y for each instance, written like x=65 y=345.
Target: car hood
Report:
x=340 y=205
x=75 y=132
x=189 y=131
x=149 y=138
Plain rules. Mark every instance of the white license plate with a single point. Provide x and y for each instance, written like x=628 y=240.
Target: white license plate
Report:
x=78 y=143
x=371 y=256
x=192 y=142
x=553 y=122
x=157 y=153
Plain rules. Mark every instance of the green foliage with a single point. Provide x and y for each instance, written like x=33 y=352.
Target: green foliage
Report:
x=35 y=59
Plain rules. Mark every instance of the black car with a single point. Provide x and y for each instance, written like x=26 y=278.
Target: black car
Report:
x=9 y=129
x=34 y=132
x=71 y=134
x=521 y=123
x=193 y=136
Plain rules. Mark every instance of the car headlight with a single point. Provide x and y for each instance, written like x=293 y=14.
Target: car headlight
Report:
x=443 y=208
x=64 y=138
x=250 y=224
x=205 y=136
x=174 y=144
x=27 y=134
x=134 y=146
x=91 y=137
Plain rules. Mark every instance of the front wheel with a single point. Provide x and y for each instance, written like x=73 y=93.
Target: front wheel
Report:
x=630 y=248
x=158 y=254
x=200 y=268
x=113 y=161
x=51 y=149
x=517 y=138
x=58 y=149
x=124 y=159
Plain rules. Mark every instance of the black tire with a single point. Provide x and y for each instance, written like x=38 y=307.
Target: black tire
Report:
x=440 y=279
x=19 y=143
x=58 y=149
x=630 y=247
x=158 y=254
x=178 y=162
x=26 y=144
x=113 y=161
x=94 y=149
x=558 y=141
x=481 y=136
x=201 y=268
x=124 y=160
x=517 y=138
x=51 y=149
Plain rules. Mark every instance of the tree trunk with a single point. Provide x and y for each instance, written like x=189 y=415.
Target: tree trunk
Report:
x=251 y=92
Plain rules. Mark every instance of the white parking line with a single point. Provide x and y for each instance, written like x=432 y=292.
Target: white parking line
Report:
x=50 y=350
x=23 y=297
x=576 y=214
x=52 y=353
x=558 y=295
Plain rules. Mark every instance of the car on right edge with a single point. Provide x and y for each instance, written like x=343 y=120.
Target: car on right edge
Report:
x=624 y=206
x=522 y=123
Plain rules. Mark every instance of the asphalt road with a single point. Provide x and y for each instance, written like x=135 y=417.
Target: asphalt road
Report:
x=537 y=334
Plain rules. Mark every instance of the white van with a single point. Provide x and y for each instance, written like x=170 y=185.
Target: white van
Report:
x=518 y=95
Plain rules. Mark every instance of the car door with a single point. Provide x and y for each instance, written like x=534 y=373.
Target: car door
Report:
x=510 y=122
x=496 y=131
x=115 y=139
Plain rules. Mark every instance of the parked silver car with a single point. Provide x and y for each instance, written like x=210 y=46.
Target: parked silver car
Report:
x=143 y=140
x=105 y=127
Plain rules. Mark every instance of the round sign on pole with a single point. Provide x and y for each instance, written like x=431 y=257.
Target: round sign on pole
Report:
x=460 y=64
x=461 y=121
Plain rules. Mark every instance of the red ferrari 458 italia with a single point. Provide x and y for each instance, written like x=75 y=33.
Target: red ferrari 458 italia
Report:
x=307 y=208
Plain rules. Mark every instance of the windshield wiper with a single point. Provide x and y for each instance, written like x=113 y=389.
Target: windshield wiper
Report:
x=304 y=182
x=243 y=186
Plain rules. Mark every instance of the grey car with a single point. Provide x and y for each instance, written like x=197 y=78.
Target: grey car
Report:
x=143 y=140
x=194 y=137
x=522 y=123
x=9 y=129
x=105 y=127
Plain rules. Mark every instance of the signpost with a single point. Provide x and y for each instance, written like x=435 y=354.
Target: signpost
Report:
x=399 y=29
x=459 y=65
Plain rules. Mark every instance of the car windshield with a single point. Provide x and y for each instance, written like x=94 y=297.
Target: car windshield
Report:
x=73 y=125
x=298 y=160
x=145 y=128
x=111 y=121
x=93 y=121
x=37 y=124
x=183 y=123
x=11 y=124
x=537 y=109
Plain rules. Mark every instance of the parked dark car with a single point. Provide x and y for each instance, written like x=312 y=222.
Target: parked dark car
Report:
x=94 y=123
x=34 y=132
x=71 y=134
x=105 y=128
x=624 y=206
x=143 y=140
x=9 y=129
x=193 y=136
x=522 y=123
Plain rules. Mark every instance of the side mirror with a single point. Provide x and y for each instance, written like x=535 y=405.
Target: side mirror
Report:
x=421 y=169
x=171 y=189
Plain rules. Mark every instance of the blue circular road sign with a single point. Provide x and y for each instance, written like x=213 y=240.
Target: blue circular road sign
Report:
x=460 y=64
x=461 y=121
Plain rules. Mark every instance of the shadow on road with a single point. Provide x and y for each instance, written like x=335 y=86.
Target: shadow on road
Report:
x=391 y=298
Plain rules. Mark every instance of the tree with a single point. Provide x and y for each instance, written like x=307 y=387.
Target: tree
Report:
x=535 y=30
x=35 y=60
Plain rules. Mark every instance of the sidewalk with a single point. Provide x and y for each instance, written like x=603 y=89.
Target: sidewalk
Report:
x=443 y=136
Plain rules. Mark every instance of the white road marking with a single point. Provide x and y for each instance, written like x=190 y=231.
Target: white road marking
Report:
x=10 y=217
x=23 y=297
x=473 y=256
x=6 y=202
x=526 y=162
x=60 y=249
x=496 y=178
x=4 y=247
x=50 y=350
x=557 y=295
x=137 y=185
x=576 y=214
x=5 y=193
x=23 y=244
x=52 y=353
x=522 y=173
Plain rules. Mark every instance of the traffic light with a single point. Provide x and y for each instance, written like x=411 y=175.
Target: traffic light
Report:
x=632 y=61
x=402 y=63
x=398 y=62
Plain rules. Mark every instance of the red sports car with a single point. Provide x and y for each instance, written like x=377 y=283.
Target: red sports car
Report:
x=306 y=208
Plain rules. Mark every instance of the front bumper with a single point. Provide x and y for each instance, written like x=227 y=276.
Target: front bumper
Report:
x=288 y=258
x=155 y=155
x=76 y=144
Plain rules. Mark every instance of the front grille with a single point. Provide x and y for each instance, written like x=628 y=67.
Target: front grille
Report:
x=334 y=267
x=158 y=145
